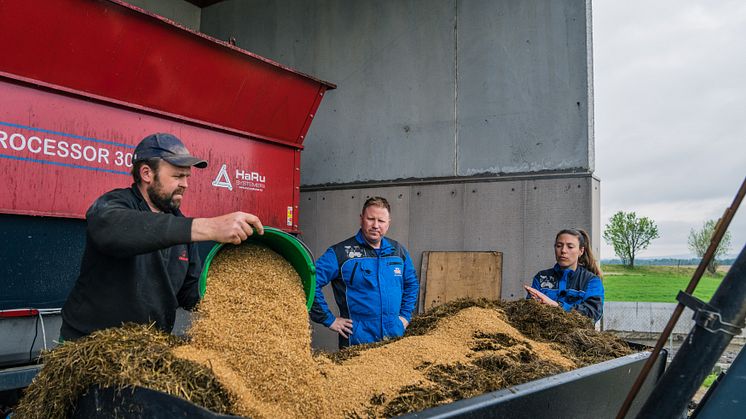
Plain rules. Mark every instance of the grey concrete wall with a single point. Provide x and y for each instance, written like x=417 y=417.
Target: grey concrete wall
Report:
x=473 y=117
x=180 y=11
x=523 y=97
x=515 y=215
x=645 y=317
x=430 y=88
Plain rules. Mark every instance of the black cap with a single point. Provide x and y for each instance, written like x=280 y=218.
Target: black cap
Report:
x=168 y=148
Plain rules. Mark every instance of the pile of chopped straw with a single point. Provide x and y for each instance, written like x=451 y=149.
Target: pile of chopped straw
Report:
x=250 y=354
x=460 y=350
x=253 y=320
x=133 y=355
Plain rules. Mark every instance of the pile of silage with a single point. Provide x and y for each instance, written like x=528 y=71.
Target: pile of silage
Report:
x=251 y=335
x=455 y=351
x=133 y=355
x=253 y=330
x=460 y=350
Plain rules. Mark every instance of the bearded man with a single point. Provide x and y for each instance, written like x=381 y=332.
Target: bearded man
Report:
x=140 y=262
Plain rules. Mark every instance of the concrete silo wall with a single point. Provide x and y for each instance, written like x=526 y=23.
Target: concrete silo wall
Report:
x=473 y=117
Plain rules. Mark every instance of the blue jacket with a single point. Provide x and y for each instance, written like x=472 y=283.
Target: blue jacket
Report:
x=579 y=290
x=372 y=287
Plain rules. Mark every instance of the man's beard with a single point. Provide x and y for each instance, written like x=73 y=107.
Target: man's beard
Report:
x=162 y=201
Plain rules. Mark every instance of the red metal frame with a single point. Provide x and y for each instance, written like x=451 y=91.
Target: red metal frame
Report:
x=19 y=312
x=111 y=49
x=99 y=75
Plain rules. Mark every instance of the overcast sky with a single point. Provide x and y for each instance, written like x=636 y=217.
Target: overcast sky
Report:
x=670 y=114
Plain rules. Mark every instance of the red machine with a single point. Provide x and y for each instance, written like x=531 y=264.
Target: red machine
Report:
x=83 y=81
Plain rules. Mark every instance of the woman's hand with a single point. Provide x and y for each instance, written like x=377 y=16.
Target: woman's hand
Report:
x=540 y=297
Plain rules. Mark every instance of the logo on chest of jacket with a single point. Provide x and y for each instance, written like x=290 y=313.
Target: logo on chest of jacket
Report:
x=183 y=256
x=397 y=271
x=353 y=252
x=546 y=281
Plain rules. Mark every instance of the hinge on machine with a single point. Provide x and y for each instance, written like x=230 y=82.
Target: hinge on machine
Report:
x=707 y=316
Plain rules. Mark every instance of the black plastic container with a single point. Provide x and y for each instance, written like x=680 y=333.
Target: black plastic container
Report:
x=137 y=402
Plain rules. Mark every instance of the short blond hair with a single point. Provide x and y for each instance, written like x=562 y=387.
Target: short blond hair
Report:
x=376 y=201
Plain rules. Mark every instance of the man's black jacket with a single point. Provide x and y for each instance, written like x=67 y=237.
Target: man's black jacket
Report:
x=138 y=266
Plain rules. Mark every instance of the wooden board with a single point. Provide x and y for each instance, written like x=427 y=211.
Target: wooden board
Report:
x=446 y=276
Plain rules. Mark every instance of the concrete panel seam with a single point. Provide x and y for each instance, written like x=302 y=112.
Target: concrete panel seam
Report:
x=450 y=180
x=455 y=88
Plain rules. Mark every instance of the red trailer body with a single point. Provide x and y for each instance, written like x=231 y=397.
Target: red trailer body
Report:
x=82 y=81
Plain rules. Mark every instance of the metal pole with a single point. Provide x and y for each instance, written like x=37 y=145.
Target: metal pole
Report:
x=702 y=348
x=720 y=230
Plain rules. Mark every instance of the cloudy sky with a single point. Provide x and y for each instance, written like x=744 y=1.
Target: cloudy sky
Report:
x=670 y=114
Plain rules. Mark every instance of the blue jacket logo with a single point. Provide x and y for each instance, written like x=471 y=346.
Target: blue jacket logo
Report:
x=546 y=281
x=353 y=252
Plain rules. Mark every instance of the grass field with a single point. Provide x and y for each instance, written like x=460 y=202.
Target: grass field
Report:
x=658 y=284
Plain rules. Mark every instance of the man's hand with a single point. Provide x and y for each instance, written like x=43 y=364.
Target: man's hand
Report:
x=540 y=297
x=404 y=321
x=342 y=326
x=229 y=228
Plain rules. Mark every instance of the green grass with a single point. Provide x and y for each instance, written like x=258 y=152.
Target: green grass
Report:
x=658 y=284
x=710 y=379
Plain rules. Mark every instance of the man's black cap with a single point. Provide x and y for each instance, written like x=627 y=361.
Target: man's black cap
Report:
x=168 y=148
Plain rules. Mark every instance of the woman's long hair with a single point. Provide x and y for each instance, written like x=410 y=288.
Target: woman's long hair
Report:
x=586 y=260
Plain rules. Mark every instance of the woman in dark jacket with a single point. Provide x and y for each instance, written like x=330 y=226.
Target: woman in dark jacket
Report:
x=574 y=283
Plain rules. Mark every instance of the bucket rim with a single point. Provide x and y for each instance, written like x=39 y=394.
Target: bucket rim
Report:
x=308 y=277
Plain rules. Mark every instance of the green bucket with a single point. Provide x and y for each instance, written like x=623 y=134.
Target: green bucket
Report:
x=289 y=247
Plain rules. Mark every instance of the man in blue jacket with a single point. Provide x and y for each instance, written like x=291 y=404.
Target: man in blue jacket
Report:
x=373 y=278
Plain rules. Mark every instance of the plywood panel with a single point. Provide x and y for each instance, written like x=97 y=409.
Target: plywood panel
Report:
x=453 y=275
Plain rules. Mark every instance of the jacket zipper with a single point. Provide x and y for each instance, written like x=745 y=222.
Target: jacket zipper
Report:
x=354 y=268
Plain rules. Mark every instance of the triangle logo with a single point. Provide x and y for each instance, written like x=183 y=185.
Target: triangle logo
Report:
x=222 y=180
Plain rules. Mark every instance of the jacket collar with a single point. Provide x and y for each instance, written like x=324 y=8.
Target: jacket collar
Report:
x=141 y=203
x=385 y=244
x=570 y=273
x=558 y=268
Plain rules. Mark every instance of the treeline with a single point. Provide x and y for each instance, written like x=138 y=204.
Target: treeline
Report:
x=666 y=262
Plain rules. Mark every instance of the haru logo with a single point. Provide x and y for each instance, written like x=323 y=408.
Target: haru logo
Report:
x=222 y=180
x=250 y=176
x=249 y=180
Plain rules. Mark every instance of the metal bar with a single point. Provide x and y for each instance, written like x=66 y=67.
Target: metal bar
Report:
x=701 y=349
x=720 y=230
x=18 y=377
x=19 y=312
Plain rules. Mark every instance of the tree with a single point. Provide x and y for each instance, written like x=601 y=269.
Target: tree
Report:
x=628 y=234
x=699 y=241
